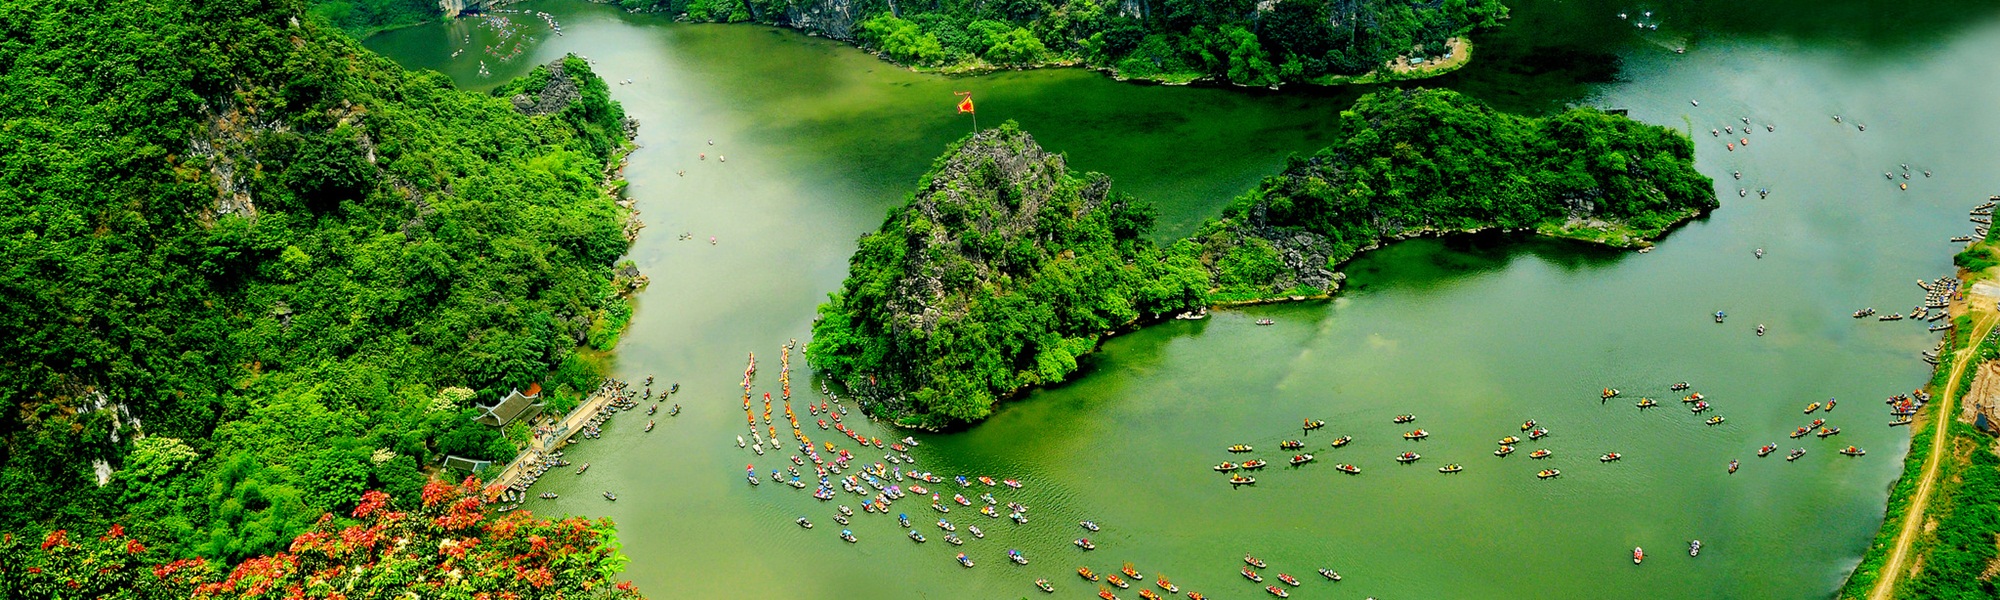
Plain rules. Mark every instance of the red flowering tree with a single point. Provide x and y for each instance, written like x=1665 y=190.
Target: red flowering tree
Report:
x=450 y=547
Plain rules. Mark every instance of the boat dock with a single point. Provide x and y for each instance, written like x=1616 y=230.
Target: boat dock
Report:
x=529 y=461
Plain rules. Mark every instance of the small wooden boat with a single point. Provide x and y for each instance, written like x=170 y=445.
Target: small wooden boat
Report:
x=1416 y=435
x=847 y=535
x=1240 y=448
x=1301 y=459
x=1853 y=451
x=1694 y=397
x=1012 y=483
x=1254 y=464
x=1289 y=580
x=1638 y=555
x=1131 y=572
x=1090 y=525
x=1348 y=469
x=1252 y=575
x=1408 y=457
x=1905 y=420
x=1044 y=585
x=1276 y=591
x=1732 y=466
x=1404 y=418
x=1291 y=445
x=1538 y=434
x=946 y=525
x=960 y=499
x=989 y=512
x=1547 y=473
x=1699 y=406
x=1610 y=456
x=1503 y=451
x=1715 y=420
x=1085 y=573
x=1148 y=594
x=1816 y=423
x=1241 y=480
x=1084 y=543
x=1796 y=453
x=916 y=536
x=975 y=531
x=962 y=560
x=1342 y=441
x=1106 y=594
x=1253 y=561
x=1678 y=387
x=1226 y=466
x=804 y=523
x=1827 y=431
x=1115 y=580
x=1609 y=393
x=1829 y=405
x=1312 y=424
x=1167 y=585
x=1812 y=407
x=1450 y=468
x=1766 y=449
x=1800 y=432
x=1196 y=596
x=1530 y=424
x=1509 y=440
x=1542 y=453
x=1265 y=322
x=986 y=480
x=1329 y=574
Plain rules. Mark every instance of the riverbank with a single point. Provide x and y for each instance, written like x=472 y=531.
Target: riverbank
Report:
x=1927 y=506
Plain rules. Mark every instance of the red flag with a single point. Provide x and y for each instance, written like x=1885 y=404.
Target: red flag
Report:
x=965 y=106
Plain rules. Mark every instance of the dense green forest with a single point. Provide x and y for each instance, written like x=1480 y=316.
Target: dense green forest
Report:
x=252 y=270
x=1004 y=268
x=362 y=17
x=1001 y=269
x=1410 y=162
x=1246 y=42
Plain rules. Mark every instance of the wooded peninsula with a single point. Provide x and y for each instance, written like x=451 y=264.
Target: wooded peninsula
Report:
x=1005 y=267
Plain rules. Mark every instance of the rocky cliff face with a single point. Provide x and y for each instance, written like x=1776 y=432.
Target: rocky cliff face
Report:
x=830 y=18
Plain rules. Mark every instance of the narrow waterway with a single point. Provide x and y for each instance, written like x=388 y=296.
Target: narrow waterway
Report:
x=1474 y=335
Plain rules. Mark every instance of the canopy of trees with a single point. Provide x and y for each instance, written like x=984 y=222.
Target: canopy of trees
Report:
x=446 y=545
x=1005 y=268
x=250 y=269
x=1246 y=42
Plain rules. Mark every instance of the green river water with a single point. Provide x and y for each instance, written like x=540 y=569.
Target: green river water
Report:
x=1472 y=334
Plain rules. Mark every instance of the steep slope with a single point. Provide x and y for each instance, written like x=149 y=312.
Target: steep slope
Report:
x=242 y=256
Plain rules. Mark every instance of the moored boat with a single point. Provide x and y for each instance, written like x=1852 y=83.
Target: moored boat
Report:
x=1827 y=431
x=1800 y=432
x=1167 y=585
x=1106 y=594
x=1148 y=594
x=1903 y=420
x=1816 y=423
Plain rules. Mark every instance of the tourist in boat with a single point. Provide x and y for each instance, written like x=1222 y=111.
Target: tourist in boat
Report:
x=1342 y=441
x=1407 y=457
x=1450 y=468
x=1853 y=451
x=1766 y=449
x=1240 y=448
x=1045 y=586
x=1241 y=480
x=964 y=561
x=1253 y=561
x=1348 y=469
x=1289 y=580
x=1131 y=572
x=1254 y=464
x=1509 y=440
x=1252 y=575
x=1275 y=591
x=1166 y=585
x=1638 y=555
x=1329 y=574
x=1503 y=451
x=1085 y=573
x=1088 y=525
x=1547 y=473
x=1405 y=418
x=916 y=536
x=1541 y=453
x=1610 y=456
x=1694 y=548
x=1529 y=424
x=1084 y=543
x=1114 y=580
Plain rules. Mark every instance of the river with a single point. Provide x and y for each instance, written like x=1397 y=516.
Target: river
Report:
x=1472 y=334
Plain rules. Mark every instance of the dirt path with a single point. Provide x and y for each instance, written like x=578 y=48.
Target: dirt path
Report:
x=1885 y=586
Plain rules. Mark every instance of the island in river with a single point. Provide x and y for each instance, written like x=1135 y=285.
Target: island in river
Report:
x=1005 y=267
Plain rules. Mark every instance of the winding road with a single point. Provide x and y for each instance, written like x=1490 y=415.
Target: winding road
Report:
x=1981 y=308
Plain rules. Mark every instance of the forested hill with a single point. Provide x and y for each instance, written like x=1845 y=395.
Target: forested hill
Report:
x=249 y=270
x=1004 y=268
x=1001 y=269
x=1247 y=42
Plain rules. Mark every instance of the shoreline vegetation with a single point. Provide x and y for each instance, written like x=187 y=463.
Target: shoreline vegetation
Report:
x=1246 y=43
x=271 y=279
x=1953 y=555
x=1005 y=267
